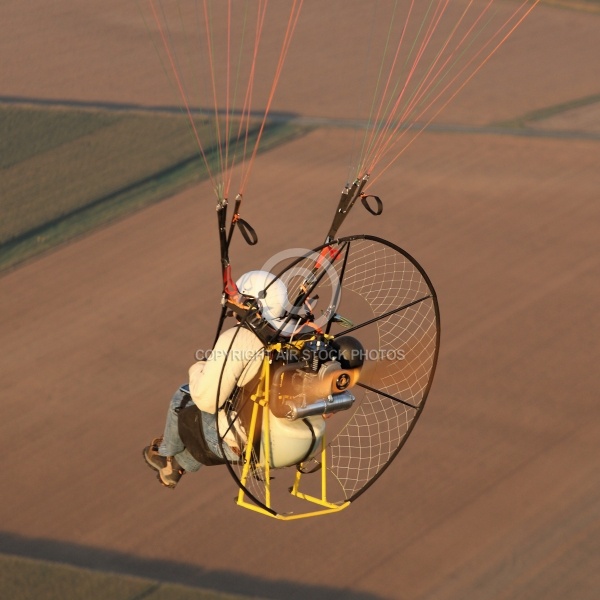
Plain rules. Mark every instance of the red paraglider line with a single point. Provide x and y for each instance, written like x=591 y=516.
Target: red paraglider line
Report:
x=291 y=26
x=246 y=110
x=213 y=82
x=384 y=134
x=244 y=123
x=374 y=132
x=227 y=122
x=420 y=93
x=471 y=75
x=243 y=126
x=181 y=89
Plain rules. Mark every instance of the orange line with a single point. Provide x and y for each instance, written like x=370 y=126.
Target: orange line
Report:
x=226 y=169
x=246 y=110
x=181 y=90
x=420 y=93
x=374 y=133
x=245 y=113
x=464 y=83
x=213 y=82
x=432 y=26
x=292 y=22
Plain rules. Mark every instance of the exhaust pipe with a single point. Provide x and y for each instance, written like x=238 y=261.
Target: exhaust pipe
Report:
x=333 y=403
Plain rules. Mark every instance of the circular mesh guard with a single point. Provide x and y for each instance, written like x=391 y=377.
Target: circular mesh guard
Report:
x=388 y=303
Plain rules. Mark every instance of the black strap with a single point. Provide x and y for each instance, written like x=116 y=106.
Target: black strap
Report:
x=185 y=400
x=366 y=204
x=247 y=231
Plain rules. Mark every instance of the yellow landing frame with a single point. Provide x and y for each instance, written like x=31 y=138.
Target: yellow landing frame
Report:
x=260 y=410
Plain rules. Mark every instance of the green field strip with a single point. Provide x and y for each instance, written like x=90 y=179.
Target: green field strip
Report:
x=27 y=132
x=84 y=168
x=62 y=177
x=541 y=114
x=591 y=6
x=29 y=579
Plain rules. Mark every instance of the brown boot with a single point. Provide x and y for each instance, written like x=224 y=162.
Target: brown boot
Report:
x=171 y=473
x=168 y=470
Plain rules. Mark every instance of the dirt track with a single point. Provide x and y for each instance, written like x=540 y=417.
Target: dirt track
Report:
x=496 y=494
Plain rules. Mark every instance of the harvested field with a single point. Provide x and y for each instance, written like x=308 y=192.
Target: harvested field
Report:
x=25 y=579
x=93 y=166
x=495 y=495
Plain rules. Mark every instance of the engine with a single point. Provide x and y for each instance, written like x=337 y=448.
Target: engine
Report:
x=317 y=381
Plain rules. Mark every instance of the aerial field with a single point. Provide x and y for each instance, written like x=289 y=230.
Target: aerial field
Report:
x=496 y=493
x=24 y=579
x=92 y=167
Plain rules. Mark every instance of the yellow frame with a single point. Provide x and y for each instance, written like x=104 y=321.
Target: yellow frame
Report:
x=261 y=401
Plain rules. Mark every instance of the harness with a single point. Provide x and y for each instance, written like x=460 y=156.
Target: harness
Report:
x=191 y=431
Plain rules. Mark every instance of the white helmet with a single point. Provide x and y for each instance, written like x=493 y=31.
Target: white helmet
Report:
x=270 y=292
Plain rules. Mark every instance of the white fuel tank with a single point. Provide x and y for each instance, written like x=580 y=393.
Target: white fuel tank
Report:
x=291 y=441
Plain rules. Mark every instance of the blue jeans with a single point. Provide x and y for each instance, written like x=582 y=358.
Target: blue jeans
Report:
x=173 y=446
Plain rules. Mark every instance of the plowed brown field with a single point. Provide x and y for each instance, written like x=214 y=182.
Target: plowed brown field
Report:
x=495 y=496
